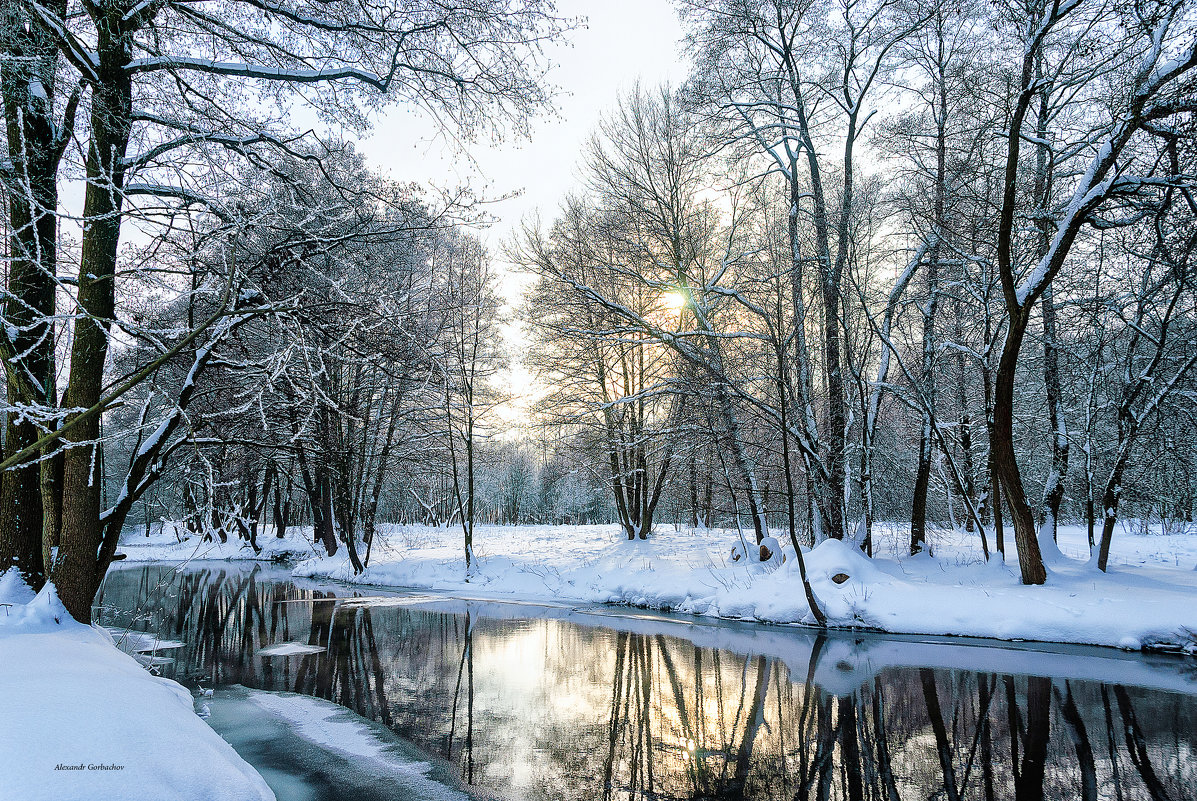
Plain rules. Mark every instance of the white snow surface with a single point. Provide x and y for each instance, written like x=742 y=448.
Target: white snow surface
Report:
x=173 y=543
x=70 y=698
x=289 y=649
x=338 y=730
x=1146 y=599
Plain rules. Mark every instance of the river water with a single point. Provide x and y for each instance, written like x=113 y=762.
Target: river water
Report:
x=455 y=698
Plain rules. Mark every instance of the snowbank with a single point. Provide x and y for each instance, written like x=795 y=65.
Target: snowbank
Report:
x=1146 y=600
x=82 y=720
x=170 y=542
x=840 y=660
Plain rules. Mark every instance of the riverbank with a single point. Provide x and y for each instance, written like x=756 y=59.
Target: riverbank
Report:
x=83 y=720
x=1145 y=601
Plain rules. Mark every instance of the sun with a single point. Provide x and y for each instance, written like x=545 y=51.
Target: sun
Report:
x=674 y=301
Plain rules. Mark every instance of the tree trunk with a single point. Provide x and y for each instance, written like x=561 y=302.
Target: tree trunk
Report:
x=1053 y=491
x=993 y=492
x=324 y=521
x=280 y=516
x=371 y=513
x=693 y=491
x=927 y=383
x=831 y=511
x=34 y=152
x=922 y=479
x=752 y=491
x=803 y=388
x=966 y=428
x=77 y=572
x=1109 y=513
x=51 y=491
x=1004 y=461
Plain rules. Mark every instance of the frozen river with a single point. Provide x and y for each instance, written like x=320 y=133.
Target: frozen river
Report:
x=332 y=693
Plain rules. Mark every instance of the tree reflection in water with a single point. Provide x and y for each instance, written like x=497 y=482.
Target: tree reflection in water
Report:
x=530 y=707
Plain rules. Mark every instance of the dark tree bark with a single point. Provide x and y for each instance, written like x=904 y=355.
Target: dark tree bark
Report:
x=77 y=572
x=927 y=384
x=966 y=429
x=1053 y=490
x=28 y=87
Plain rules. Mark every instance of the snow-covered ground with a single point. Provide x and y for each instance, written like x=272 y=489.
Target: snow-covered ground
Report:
x=82 y=720
x=1147 y=599
x=170 y=543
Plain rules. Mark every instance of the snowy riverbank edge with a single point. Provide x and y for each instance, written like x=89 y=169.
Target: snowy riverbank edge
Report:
x=83 y=720
x=1146 y=601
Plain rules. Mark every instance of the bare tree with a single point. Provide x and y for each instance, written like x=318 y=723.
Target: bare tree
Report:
x=1156 y=91
x=470 y=364
x=151 y=99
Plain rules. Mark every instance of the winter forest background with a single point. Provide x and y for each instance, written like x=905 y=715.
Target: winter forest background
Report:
x=871 y=260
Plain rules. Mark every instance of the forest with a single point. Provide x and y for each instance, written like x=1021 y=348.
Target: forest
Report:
x=871 y=261
x=647 y=400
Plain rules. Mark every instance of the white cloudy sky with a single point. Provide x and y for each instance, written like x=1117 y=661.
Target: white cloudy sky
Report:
x=620 y=43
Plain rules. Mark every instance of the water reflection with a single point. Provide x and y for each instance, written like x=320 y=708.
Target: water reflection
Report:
x=570 y=707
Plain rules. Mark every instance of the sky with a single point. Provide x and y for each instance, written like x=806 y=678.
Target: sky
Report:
x=603 y=58
x=599 y=61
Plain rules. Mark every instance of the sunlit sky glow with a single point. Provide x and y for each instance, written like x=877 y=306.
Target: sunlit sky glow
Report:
x=621 y=42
